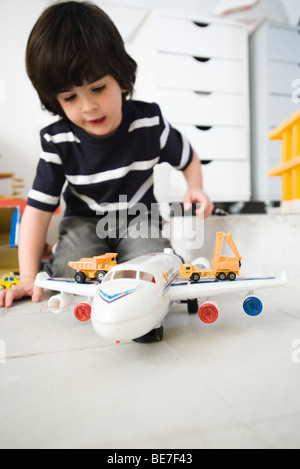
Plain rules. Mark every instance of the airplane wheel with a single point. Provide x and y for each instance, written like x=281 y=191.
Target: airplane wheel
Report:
x=208 y=313
x=80 y=277
x=192 y=306
x=82 y=312
x=156 y=335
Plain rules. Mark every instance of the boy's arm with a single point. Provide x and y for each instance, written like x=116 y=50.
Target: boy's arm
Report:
x=33 y=231
x=193 y=176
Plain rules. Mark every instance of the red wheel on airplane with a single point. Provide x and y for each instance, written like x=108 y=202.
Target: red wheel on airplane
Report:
x=208 y=313
x=82 y=312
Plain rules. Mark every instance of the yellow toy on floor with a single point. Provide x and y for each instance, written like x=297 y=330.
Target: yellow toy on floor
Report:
x=8 y=280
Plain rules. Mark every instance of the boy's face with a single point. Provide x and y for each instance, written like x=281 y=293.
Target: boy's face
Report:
x=95 y=107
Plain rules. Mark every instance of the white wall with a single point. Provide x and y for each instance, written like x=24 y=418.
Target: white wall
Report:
x=292 y=8
x=21 y=117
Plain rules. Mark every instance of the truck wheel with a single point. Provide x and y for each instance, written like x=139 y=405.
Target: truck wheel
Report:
x=221 y=276
x=80 y=277
x=195 y=277
x=100 y=275
x=231 y=276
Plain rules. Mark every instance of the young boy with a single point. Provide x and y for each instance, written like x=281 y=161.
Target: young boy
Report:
x=102 y=150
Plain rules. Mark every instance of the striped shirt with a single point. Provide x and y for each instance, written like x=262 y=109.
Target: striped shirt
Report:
x=97 y=171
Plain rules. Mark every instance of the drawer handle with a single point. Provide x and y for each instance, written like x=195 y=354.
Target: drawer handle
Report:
x=203 y=93
x=202 y=59
x=203 y=128
x=206 y=161
x=200 y=24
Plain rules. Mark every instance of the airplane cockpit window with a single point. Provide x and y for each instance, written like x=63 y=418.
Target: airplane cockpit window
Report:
x=129 y=274
x=147 y=277
x=125 y=274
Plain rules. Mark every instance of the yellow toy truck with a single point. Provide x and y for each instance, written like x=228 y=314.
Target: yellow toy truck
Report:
x=93 y=267
x=222 y=267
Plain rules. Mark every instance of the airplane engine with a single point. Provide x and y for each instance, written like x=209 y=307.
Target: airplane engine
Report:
x=208 y=312
x=57 y=302
x=252 y=305
x=82 y=312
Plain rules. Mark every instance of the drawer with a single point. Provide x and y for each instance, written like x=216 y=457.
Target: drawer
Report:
x=227 y=181
x=280 y=108
x=200 y=39
x=213 y=74
x=282 y=76
x=284 y=44
x=223 y=181
x=188 y=107
x=218 y=143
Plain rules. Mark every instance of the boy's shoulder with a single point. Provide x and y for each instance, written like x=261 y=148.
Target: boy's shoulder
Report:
x=59 y=126
x=141 y=109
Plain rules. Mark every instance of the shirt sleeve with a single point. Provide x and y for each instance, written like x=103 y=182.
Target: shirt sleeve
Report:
x=49 y=178
x=175 y=148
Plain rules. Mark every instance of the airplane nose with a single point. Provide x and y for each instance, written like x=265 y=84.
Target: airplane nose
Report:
x=110 y=294
x=124 y=311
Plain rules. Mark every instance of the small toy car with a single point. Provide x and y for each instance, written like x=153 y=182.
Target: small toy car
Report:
x=8 y=280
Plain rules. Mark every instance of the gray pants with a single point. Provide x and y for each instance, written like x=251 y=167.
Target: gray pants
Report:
x=85 y=237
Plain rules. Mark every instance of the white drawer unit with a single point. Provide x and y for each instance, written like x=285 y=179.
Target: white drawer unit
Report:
x=203 y=38
x=189 y=107
x=216 y=142
x=187 y=72
x=196 y=69
x=274 y=72
x=234 y=173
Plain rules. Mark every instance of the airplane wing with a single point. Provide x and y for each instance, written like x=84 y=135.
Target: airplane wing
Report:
x=66 y=286
x=183 y=289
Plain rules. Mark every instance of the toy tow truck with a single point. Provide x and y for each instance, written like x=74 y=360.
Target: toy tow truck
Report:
x=93 y=267
x=222 y=267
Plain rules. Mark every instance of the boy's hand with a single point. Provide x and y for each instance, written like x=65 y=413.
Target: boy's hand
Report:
x=198 y=196
x=25 y=287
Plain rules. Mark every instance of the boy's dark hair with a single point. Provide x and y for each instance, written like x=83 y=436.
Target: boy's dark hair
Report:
x=72 y=42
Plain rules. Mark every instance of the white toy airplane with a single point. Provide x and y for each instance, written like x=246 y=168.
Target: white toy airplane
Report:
x=135 y=296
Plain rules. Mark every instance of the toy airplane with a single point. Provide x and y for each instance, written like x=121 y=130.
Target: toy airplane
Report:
x=135 y=296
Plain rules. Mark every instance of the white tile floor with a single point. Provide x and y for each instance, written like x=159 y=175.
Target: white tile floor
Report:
x=232 y=384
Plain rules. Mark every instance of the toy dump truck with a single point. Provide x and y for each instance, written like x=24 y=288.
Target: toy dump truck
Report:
x=93 y=267
x=222 y=267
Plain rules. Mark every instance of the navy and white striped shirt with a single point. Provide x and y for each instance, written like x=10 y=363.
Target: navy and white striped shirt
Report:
x=99 y=170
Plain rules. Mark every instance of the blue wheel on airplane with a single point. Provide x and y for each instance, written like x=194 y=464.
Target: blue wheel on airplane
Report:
x=252 y=306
